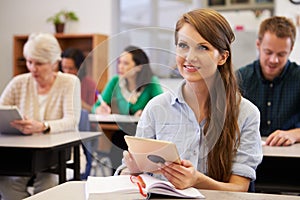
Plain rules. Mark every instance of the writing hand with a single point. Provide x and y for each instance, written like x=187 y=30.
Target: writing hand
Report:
x=103 y=109
x=138 y=113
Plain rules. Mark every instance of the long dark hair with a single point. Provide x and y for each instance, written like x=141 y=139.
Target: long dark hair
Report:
x=140 y=58
x=214 y=28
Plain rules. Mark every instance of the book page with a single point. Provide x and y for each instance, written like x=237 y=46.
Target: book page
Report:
x=154 y=185
x=113 y=187
x=110 y=184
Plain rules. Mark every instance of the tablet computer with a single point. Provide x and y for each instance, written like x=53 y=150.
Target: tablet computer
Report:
x=149 y=152
x=7 y=115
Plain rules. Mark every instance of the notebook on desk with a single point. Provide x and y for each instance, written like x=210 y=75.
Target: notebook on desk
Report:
x=7 y=115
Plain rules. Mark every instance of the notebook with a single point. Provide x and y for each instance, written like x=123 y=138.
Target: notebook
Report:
x=7 y=115
x=133 y=187
x=149 y=152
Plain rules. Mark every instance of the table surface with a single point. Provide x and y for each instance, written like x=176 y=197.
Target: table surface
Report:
x=282 y=151
x=113 y=118
x=75 y=190
x=44 y=141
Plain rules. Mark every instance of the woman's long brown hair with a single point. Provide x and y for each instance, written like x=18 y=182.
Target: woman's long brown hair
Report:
x=214 y=28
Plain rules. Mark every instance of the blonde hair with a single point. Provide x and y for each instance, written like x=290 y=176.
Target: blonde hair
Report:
x=42 y=47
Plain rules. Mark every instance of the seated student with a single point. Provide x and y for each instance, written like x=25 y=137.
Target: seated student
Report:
x=128 y=93
x=215 y=130
x=71 y=60
x=272 y=82
x=49 y=101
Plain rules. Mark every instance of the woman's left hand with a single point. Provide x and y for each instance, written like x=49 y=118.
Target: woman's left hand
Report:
x=181 y=176
x=28 y=126
x=138 y=113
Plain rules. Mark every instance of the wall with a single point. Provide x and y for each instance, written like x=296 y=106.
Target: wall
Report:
x=137 y=16
x=100 y=16
x=27 y=16
x=290 y=10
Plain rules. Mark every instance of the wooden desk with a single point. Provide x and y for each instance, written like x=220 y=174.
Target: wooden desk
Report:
x=27 y=155
x=279 y=170
x=75 y=190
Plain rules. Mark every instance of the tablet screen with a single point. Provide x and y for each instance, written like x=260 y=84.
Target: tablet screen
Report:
x=7 y=115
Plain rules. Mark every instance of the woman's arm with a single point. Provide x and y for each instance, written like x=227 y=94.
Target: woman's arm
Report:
x=185 y=175
x=106 y=93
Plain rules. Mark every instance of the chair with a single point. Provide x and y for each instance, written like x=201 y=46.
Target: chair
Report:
x=84 y=125
x=101 y=164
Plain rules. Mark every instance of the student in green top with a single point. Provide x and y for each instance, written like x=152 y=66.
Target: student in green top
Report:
x=128 y=92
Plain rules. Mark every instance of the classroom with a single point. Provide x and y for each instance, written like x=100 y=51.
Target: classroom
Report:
x=103 y=31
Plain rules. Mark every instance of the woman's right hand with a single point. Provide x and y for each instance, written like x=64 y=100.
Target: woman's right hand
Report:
x=130 y=163
x=103 y=109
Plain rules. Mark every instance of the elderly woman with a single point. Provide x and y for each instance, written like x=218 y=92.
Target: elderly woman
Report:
x=49 y=101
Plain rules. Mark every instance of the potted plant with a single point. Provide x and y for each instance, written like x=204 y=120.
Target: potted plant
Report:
x=60 y=18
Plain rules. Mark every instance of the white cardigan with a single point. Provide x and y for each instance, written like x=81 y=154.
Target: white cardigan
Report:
x=63 y=102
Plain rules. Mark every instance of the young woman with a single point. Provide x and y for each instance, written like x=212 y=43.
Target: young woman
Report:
x=128 y=93
x=215 y=130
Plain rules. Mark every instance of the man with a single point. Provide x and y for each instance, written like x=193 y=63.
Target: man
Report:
x=272 y=82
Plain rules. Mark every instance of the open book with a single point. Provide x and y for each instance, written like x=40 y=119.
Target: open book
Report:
x=127 y=187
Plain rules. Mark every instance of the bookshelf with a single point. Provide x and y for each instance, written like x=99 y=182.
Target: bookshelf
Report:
x=94 y=47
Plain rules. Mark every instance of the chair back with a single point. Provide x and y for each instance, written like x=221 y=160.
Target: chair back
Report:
x=84 y=123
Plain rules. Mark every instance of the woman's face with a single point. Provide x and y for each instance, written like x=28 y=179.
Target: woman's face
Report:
x=41 y=72
x=126 y=65
x=68 y=66
x=196 y=58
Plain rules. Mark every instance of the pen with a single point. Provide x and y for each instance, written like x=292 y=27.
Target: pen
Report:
x=99 y=96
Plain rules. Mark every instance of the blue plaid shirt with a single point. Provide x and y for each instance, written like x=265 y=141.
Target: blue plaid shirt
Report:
x=277 y=100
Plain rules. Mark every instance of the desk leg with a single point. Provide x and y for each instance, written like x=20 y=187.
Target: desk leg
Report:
x=62 y=166
x=76 y=163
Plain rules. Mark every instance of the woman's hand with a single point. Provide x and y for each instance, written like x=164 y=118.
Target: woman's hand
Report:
x=185 y=175
x=138 y=113
x=28 y=126
x=181 y=176
x=104 y=108
x=130 y=163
